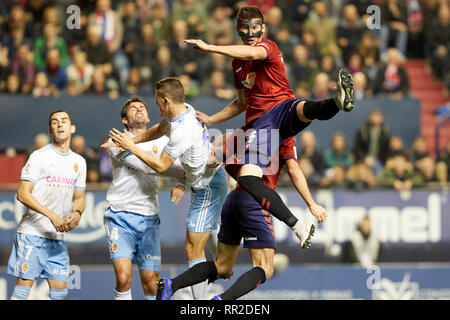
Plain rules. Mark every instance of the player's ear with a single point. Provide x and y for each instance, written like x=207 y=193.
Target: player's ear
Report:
x=73 y=128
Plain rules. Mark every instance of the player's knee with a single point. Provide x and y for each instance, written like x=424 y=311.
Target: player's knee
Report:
x=123 y=281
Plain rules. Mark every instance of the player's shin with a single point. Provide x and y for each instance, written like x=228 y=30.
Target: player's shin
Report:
x=198 y=273
x=245 y=283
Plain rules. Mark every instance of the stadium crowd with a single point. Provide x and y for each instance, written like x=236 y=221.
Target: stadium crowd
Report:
x=122 y=47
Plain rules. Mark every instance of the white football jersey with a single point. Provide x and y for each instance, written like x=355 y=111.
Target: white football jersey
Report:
x=134 y=187
x=189 y=142
x=55 y=176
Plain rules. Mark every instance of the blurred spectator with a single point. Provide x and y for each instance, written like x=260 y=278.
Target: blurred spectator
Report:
x=159 y=20
x=301 y=70
x=163 y=66
x=56 y=73
x=328 y=66
x=369 y=53
x=360 y=86
x=186 y=58
x=144 y=51
x=400 y=174
x=50 y=40
x=309 y=150
x=109 y=24
x=12 y=84
x=191 y=87
x=146 y=8
x=40 y=140
x=394 y=25
x=438 y=40
x=217 y=86
x=349 y=31
x=338 y=154
x=372 y=142
x=131 y=22
x=355 y=63
x=80 y=72
x=42 y=86
x=396 y=146
x=419 y=150
x=263 y=5
x=427 y=167
x=97 y=51
x=392 y=78
x=415 y=28
x=4 y=66
x=18 y=19
x=99 y=86
x=335 y=178
x=78 y=145
x=313 y=178
x=194 y=13
x=274 y=21
x=48 y=15
x=360 y=177
x=219 y=62
x=363 y=246
x=135 y=84
x=218 y=25
x=24 y=68
x=301 y=89
x=14 y=39
x=323 y=29
x=309 y=40
x=286 y=41
x=321 y=89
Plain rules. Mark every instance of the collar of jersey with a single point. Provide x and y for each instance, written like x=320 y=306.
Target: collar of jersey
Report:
x=182 y=114
x=60 y=153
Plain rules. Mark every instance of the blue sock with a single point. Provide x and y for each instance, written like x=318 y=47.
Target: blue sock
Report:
x=20 y=293
x=194 y=262
x=58 y=294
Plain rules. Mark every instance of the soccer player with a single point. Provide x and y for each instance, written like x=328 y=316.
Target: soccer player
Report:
x=263 y=91
x=132 y=221
x=52 y=188
x=243 y=217
x=190 y=143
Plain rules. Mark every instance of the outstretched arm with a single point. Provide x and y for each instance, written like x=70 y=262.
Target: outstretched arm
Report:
x=235 y=108
x=299 y=181
x=241 y=52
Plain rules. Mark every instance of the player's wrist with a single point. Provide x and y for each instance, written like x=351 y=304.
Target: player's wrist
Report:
x=79 y=211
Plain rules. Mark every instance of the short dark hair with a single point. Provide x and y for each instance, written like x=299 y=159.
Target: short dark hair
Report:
x=57 y=111
x=133 y=98
x=170 y=87
x=249 y=13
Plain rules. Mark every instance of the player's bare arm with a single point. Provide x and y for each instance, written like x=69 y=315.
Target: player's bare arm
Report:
x=241 y=52
x=299 y=181
x=153 y=133
x=123 y=140
x=236 y=107
x=25 y=196
x=73 y=219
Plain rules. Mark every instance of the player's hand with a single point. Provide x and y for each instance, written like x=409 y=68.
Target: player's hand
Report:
x=198 y=44
x=203 y=117
x=319 y=212
x=72 y=220
x=176 y=194
x=58 y=223
x=122 y=139
x=108 y=144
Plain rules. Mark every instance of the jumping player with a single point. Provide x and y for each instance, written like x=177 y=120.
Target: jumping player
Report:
x=263 y=91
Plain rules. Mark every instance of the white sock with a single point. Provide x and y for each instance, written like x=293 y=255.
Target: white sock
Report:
x=199 y=289
x=211 y=244
x=122 y=295
x=20 y=293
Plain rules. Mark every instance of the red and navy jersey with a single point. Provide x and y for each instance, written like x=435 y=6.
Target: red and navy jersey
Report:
x=288 y=150
x=264 y=81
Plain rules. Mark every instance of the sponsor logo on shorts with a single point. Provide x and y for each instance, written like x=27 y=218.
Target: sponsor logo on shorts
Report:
x=251 y=238
x=114 y=247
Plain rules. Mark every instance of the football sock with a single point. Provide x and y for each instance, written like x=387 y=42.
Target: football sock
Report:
x=147 y=297
x=198 y=290
x=321 y=110
x=198 y=273
x=58 y=294
x=245 y=283
x=268 y=198
x=126 y=295
x=20 y=293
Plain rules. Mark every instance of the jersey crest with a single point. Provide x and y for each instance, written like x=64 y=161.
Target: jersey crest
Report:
x=249 y=81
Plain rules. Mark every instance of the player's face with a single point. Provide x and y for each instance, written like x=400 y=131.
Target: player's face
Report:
x=162 y=105
x=60 y=127
x=137 y=115
x=251 y=32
